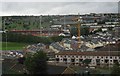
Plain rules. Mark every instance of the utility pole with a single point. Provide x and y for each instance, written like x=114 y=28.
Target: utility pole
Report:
x=40 y=25
x=64 y=23
x=5 y=34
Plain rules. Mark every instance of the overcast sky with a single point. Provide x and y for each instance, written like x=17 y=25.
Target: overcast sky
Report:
x=59 y=0
x=55 y=8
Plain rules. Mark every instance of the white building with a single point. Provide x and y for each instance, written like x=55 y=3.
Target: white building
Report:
x=93 y=45
x=89 y=24
x=56 y=26
x=93 y=58
x=111 y=22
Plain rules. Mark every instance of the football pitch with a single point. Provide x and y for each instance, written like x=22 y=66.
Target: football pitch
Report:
x=12 y=46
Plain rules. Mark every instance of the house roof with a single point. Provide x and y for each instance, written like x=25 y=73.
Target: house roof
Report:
x=90 y=53
x=110 y=47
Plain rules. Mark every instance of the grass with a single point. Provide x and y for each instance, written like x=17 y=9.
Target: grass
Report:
x=104 y=70
x=12 y=46
x=32 y=25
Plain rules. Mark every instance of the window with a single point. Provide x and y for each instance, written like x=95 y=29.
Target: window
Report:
x=65 y=56
x=110 y=57
x=76 y=59
x=106 y=57
x=115 y=60
x=64 y=59
x=84 y=56
x=57 y=59
x=80 y=60
x=60 y=56
x=97 y=56
x=102 y=57
x=76 y=56
x=106 y=60
x=110 y=60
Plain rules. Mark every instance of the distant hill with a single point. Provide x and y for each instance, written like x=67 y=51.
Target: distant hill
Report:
x=26 y=22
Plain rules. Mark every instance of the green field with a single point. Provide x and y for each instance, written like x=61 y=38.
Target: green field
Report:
x=12 y=46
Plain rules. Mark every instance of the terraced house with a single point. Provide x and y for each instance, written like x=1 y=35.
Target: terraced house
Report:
x=90 y=58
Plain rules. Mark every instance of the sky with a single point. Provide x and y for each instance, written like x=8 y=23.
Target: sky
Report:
x=55 y=7
x=59 y=0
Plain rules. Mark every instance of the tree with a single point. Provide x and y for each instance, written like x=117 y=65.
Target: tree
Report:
x=21 y=60
x=116 y=69
x=36 y=63
x=18 y=37
x=87 y=61
x=84 y=30
x=26 y=26
x=73 y=31
x=56 y=38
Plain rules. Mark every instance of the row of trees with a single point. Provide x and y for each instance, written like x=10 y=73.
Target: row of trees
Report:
x=17 y=37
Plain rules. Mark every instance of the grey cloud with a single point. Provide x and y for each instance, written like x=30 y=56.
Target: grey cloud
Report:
x=20 y=8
